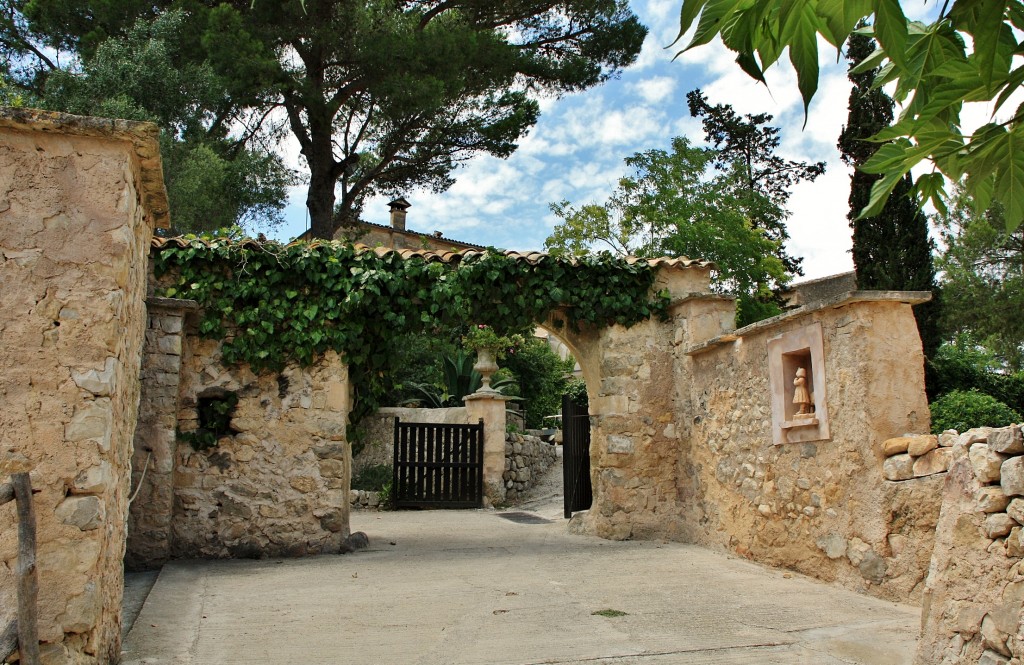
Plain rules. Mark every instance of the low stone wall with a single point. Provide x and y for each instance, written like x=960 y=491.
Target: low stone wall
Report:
x=527 y=458
x=974 y=595
x=377 y=445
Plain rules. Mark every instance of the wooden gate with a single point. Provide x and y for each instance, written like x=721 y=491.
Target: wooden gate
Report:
x=576 y=456
x=438 y=466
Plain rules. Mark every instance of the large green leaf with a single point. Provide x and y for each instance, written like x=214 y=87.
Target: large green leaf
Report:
x=841 y=16
x=891 y=29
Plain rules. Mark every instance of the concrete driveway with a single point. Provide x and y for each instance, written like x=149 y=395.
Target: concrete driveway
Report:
x=461 y=587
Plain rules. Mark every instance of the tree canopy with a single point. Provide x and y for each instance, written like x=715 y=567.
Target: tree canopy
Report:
x=933 y=71
x=675 y=204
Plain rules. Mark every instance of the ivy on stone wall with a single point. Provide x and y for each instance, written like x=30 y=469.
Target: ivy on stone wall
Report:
x=271 y=303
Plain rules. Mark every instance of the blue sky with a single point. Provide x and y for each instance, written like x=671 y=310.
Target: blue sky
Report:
x=576 y=150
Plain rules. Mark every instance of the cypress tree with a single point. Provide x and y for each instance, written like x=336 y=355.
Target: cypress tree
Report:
x=891 y=251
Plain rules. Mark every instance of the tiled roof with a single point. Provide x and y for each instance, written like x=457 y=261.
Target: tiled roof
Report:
x=432 y=256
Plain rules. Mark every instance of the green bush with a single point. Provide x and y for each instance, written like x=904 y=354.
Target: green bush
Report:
x=961 y=410
x=576 y=390
x=373 y=478
x=542 y=377
x=966 y=365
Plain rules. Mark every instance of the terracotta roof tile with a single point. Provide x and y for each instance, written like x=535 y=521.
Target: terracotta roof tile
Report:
x=446 y=256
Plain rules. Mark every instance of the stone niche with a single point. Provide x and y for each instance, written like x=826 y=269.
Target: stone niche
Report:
x=788 y=354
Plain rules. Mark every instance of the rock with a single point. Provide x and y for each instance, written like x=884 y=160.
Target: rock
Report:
x=948 y=438
x=94 y=480
x=896 y=446
x=355 y=541
x=1012 y=474
x=335 y=451
x=622 y=445
x=898 y=467
x=765 y=509
x=856 y=551
x=1015 y=508
x=85 y=512
x=972 y=436
x=304 y=484
x=934 y=461
x=992 y=500
x=333 y=521
x=992 y=637
x=82 y=611
x=332 y=468
x=998 y=525
x=873 y=567
x=1014 y=542
x=919 y=445
x=833 y=545
x=1007 y=440
x=986 y=463
x=990 y=657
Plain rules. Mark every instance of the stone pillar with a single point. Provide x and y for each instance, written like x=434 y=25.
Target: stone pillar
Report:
x=149 y=520
x=490 y=406
x=79 y=198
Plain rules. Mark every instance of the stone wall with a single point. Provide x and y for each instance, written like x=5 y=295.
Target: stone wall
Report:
x=377 y=445
x=527 y=458
x=818 y=507
x=974 y=596
x=277 y=484
x=78 y=200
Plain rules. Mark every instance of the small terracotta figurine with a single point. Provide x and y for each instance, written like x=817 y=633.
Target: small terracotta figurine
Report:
x=801 y=398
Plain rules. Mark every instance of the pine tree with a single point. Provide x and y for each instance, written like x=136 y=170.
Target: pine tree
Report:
x=891 y=251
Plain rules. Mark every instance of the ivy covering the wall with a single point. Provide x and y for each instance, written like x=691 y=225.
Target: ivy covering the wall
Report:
x=271 y=303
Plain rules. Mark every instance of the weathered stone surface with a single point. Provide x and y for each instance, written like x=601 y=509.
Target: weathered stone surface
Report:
x=896 y=446
x=898 y=467
x=1012 y=476
x=948 y=438
x=1007 y=440
x=986 y=463
x=934 y=461
x=992 y=500
x=94 y=480
x=992 y=637
x=85 y=512
x=919 y=445
x=998 y=525
x=993 y=658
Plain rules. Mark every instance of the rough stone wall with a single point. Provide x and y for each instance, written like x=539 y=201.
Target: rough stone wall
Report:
x=149 y=521
x=527 y=458
x=278 y=485
x=74 y=238
x=821 y=508
x=974 y=596
x=378 y=443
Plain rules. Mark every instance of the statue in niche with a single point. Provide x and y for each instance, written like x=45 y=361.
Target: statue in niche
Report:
x=801 y=398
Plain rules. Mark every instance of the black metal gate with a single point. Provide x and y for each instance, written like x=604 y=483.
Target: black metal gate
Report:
x=438 y=466
x=576 y=456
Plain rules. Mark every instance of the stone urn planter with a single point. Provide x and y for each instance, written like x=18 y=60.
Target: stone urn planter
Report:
x=486 y=364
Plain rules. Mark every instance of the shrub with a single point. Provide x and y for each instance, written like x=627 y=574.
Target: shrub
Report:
x=542 y=377
x=373 y=478
x=966 y=365
x=576 y=390
x=961 y=410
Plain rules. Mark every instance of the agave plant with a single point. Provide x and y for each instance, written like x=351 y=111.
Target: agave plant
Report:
x=460 y=380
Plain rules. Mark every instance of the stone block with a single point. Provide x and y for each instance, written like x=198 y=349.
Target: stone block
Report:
x=1014 y=542
x=332 y=468
x=85 y=512
x=304 y=484
x=91 y=422
x=898 y=467
x=94 y=480
x=990 y=657
x=998 y=525
x=619 y=444
x=1006 y=440
x=919 y=445
x=98 y=382
x=934 y=461
x=992 y=500
x=992 y=637
x=948 y=438
x=1012 y=476
x=896 y=446
x=986 y=463
x=1014 y=508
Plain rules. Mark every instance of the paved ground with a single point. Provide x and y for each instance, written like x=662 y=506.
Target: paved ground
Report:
x=473 y=587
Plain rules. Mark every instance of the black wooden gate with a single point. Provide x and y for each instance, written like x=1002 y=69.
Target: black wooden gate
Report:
x=438 y=466
x=576 y=456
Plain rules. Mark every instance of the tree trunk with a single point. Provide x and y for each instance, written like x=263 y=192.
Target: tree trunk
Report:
x=323 y=176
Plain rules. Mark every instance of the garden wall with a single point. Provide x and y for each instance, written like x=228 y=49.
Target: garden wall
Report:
x=527 y=458
x=78 y=200
x=377 y=445
x=819 y=506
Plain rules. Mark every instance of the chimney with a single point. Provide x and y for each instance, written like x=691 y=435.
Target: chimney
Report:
x=398 y=208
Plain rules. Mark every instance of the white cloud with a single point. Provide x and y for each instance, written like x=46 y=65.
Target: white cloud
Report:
x=655 y=89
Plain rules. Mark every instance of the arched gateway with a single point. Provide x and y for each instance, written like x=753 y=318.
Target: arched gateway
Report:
x=695 y=433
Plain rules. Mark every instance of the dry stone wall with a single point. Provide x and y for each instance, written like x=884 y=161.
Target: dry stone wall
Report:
x=527 y=458
x=276 y=484
x=74 y=236
x=974 y=596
